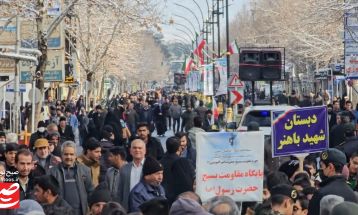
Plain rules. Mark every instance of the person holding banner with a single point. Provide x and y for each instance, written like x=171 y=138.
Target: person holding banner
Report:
x=333 y=182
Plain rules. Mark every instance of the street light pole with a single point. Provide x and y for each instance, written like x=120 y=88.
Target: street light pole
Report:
x=184 y=26
x=184 y=33
x=16 y=80
x=201 y=12
x=188 y=9
x=227 y=49
x=186 y=19
x=218 y=23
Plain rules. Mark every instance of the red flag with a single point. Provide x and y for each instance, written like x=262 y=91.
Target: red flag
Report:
x=199 y=49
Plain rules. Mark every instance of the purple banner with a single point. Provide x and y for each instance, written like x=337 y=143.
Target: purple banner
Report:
x=297 y=131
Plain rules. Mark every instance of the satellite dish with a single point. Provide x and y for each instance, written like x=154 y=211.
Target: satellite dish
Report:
x=37 y=95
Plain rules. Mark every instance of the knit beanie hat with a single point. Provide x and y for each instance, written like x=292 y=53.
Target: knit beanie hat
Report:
x=99 y=195
x=151 y=166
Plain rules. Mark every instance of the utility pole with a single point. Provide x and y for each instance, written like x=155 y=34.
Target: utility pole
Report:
x=16 y=108
x=213 y=40
x=218 y=20
x=227 y=49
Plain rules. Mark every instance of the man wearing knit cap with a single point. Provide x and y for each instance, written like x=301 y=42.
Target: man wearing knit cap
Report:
x=97 y=200
x=333 y=182
x=149 y=187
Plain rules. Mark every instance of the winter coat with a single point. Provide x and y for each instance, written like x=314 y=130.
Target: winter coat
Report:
x=335 y=185
x=188 y=120
x=94 y=166
x=167 y=162
x=349 y=146
x=182 y=169
x=143 y=192
x=175 y=111
x=336 y=135
x=154 y=148
x=49 y=163
x=58 y=207
x=112 y=182
x=146 y=115
x=67 y=134
x=83 y=182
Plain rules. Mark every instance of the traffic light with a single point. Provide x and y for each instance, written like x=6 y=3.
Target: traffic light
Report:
x=260 y=65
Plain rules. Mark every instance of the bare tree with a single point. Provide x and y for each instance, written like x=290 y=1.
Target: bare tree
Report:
x=99 y=25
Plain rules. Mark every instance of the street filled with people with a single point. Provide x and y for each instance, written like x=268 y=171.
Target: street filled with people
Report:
x=137 y=154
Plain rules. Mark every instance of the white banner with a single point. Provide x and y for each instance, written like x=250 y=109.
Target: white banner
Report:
x=230 y=164
x=208 y=80
x=221 y=66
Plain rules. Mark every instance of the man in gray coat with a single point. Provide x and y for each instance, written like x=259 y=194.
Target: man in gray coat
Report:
x=74 y=179
x=117 y=159
x=131 y=173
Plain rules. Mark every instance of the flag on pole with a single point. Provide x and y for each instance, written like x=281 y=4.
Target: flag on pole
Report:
x=233 y=48
x=215 y=111
x=199 y=49
x=188 y=64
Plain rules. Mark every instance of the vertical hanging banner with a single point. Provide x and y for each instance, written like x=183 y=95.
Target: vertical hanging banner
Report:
x=208 y=80
x=350 y=42
x=230 y=164
x=189 y=79
x=221 y=66
x=297 y=131
x=195 y=80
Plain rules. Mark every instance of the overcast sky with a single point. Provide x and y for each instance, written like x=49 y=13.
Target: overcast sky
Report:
x=171 y=10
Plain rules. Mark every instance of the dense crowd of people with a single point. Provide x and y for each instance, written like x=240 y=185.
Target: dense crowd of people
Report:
x=124 y=169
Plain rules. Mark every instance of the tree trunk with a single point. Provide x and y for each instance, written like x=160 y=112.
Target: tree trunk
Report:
x=41 y=67
x=89 y=89
x=101 y=89
x=70 y=93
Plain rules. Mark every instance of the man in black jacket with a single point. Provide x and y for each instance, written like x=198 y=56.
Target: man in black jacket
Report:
x=153 y=145
x=24 y=165
x=350 y=144
x=172 y=154
x=46 y=192
x=65 y=130
x=333 y=183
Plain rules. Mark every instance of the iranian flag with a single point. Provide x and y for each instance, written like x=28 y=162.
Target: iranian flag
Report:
x=233 y=48
x=199 y=49
x=215 y=111
x=188 y=63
